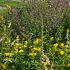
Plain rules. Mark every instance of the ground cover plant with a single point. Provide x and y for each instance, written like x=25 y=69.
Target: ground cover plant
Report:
x=35 y=35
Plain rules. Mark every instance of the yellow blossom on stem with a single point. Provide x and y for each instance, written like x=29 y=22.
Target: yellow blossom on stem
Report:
x=33 y=49
x=8 y=59
x=3 y=66
x=20 y=51
x=45 y=63
x=25 y=46
x=55 y=45
x=51 y=38
x=17 y=38
x=18 y=47
x=37 y=41
x=66 y=46
x=16 y=51
x=32 y=55
x=62 y=45
x=17 y=44
x=38 y=49
x=8 y=54
x=62 y=52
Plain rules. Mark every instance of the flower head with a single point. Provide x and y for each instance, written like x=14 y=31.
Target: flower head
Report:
x=8 y=54
x=17 y=38
x=21 y=51
x=38 y=49
x=51 y=38
x=55 y=45
x=32 y=55
x=66 y=46
x=37 y=41
x=34 y=49
x=62 y=45
x=25 y=46
x=3 y=66
x=8 y=59
x=62 y=52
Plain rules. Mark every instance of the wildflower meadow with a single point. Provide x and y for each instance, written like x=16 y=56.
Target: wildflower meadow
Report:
x=34 y=35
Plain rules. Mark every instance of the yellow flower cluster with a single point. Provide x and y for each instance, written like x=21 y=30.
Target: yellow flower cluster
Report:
x=37 y=41
x=45 y=63
x=18 y=48
x=3 y=66
x=17 y=38
x=8 y=56
x=61 y=45
x=32 y=54
x=55 y=45
x=25 y=44
x=34 y=51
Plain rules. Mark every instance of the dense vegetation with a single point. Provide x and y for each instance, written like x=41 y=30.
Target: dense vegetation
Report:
x=35 y=35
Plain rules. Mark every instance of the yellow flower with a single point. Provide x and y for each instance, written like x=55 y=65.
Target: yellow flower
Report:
x=38 y=49
x=62 y=52
x=66 y=46
x=62 y=45
x=17 y=47
x=25 y=46
x=20 y=51
x=8 y=59
x=8 y=54
x=34 y=49
x=26 y=42
x=51 y=38
x=55 y=45
x=17 y=44
x=32 y=54
x=68 y=42
x=3 y=66
x=16 y=51
x=36 y=42
x=45 y=63
x=17 y=38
